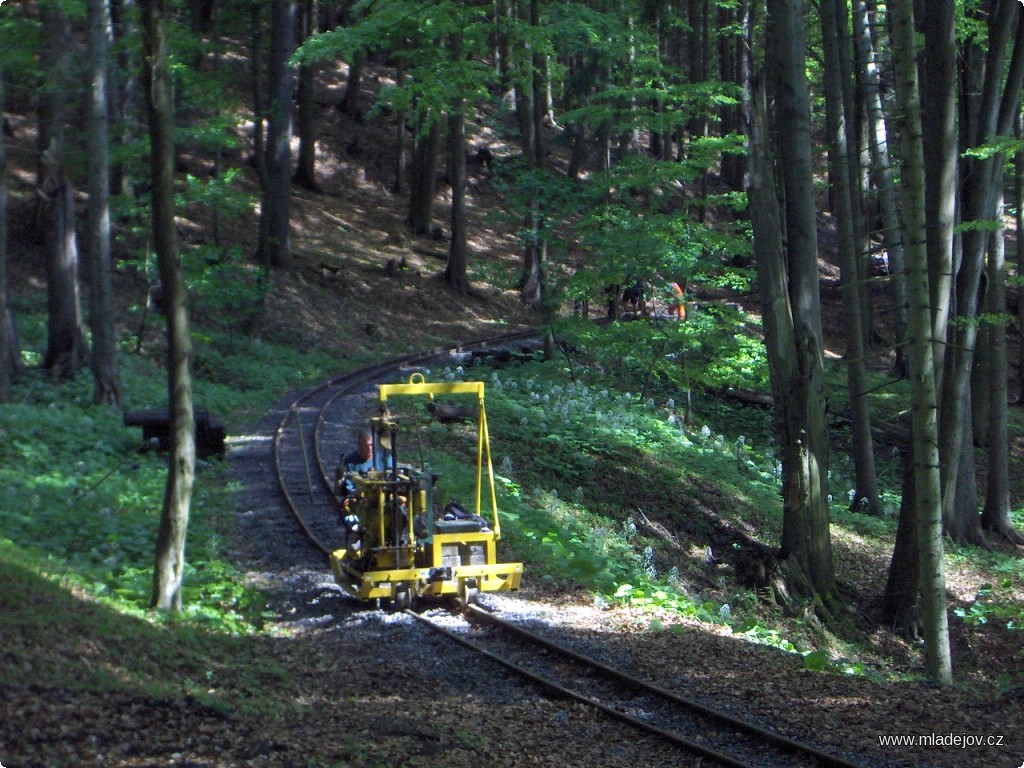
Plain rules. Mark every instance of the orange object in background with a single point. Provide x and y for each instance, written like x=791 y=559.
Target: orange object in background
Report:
x=679 y=310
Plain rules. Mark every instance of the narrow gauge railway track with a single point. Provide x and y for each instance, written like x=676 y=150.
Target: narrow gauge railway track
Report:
x=318 y=426
x=718 y=736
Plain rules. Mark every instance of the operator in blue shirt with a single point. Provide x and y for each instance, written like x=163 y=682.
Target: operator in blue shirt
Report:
x=363 y=459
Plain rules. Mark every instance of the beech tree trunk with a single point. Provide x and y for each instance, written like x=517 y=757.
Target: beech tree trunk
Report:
x=423 y=182
x=9 y=353
x=788 y=278
x=1000 y=100
x=351 y=102
x=259 y=134
x=940 y=167
x=170 y=547
x=455 y=272
x=105 y=377
x=1018 y=197
x=995 y=516
x=806 y=540
x=882 y=175
x=865 y=497
x=531 y=289
x=902 y=588
x=277 y=196
x=734 y=165
x=924 y=399
x=66 y=350
x=305 y=168
x=123 y=91
x=401 y=140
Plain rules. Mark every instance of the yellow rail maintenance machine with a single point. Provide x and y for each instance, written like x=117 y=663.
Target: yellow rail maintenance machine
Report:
x=397 y=548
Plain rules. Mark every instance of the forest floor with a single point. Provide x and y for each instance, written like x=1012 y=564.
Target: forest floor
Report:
x=342 y=699
x=844 y=713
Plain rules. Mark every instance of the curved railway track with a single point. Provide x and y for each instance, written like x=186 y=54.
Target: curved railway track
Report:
x=315 y=429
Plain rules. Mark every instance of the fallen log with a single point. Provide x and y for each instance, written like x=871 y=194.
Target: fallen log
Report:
x=156 y=424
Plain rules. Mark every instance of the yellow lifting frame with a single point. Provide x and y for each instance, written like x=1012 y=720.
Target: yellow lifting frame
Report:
x=418 y=385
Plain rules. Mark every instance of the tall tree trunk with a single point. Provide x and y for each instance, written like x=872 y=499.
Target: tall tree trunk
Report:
x=734 y=165
x=279 y=134
x=788 y=277
x=401 y=140
x=696 y=44
x=424 y=176
x=806 y=541
x=982 y=177
x=940 y=166
x=995 y=515
x=305 y=168
x=122 y=92
x=523 y=89
x=105 y=377
x=539 y=71
x=1018 y=204
x=965 y=484
x=882 y=175
x=9 y=353
x=533 y=147
x=577 y=133
x=502 y=13
x=902 y=587
x=259 y=135
x=856 y=161
x=927 y=487
x=66 y=349
x=866 y=482
x=351 y=102
x=455 y=272
x=170 y=548
x=980 y=379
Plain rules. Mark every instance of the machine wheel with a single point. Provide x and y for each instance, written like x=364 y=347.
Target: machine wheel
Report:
x=469 y=591
x=402 y=601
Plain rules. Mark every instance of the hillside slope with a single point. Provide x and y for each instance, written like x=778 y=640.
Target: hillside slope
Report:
x=332 y=685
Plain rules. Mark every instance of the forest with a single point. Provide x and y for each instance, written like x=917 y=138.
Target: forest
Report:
x=771 y=254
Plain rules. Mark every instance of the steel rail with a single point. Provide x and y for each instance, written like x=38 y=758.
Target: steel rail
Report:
x=673 y=738
x=348 y=383
x=823 y=758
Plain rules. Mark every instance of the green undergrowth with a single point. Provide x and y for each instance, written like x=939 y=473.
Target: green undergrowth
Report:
x=588 y=472
x=81 y=496
x=614 y=473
